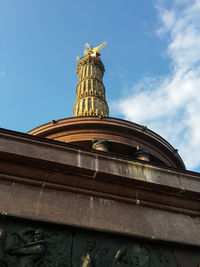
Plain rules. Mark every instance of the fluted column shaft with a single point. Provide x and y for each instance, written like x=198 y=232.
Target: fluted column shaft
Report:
x=90 y=91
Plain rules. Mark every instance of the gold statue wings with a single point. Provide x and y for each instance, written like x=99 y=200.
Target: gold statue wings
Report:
x=93 y=51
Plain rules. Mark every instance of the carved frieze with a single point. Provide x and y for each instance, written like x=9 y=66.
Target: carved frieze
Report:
x=29 y=244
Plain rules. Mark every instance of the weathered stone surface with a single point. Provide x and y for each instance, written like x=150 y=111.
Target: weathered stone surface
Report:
x=46 y=180
x=33 y=243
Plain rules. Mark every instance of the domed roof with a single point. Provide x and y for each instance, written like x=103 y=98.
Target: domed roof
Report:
x=123 y=136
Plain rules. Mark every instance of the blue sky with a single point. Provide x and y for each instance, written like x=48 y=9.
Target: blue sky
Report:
x=151 y=58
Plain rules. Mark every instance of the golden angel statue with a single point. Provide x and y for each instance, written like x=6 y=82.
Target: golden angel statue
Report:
x=93 y=51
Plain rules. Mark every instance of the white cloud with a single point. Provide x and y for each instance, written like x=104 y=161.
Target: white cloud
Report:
x=170 y=105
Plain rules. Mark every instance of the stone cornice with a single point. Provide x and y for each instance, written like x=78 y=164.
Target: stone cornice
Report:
x=43 y=179
x=52 y=155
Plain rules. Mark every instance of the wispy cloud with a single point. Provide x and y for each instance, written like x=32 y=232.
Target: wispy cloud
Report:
x=2 y=73
x=170 y=105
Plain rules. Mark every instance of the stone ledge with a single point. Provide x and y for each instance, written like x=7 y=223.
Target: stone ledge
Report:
x=47 y=180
